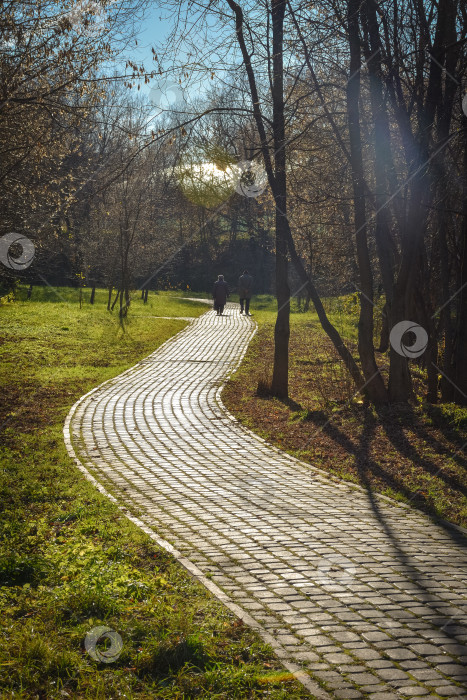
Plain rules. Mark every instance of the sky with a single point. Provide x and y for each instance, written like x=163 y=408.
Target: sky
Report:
x=153 y=32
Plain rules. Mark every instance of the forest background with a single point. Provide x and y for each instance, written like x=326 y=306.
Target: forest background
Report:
x=132 y=176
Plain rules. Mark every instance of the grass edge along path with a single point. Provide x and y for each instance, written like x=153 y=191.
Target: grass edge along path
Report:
x=412 y=454
x=238 y=611
x=71 y=561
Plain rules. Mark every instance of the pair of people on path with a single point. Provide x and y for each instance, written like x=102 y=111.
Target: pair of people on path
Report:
x=221 y=291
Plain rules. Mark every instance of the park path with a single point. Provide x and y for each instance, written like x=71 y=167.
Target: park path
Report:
x=359 y=596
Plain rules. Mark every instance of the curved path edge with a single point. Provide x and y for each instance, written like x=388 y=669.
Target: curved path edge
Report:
x=242 y=614
x=349 y=587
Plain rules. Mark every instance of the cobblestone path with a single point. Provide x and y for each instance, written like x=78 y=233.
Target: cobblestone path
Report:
x=368 y=597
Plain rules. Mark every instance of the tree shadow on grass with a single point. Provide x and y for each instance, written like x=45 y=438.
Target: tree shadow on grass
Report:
x=407 y=565
x=291 y=404
x=394 y=429
x=394 y=422
x=172 y=654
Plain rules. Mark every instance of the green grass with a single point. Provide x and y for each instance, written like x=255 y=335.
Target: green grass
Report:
x=69 y=560
x=342 y=312
x=160 y=303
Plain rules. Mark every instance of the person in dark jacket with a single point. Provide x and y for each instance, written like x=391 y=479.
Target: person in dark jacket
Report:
x=220 y=292
x=245 y=286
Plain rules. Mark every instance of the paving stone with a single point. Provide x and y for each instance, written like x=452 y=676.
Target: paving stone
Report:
x=328 y=676
x=318 y=667
x=400 y=654
x=439 y=680
x=412 y=664
x=345 y=693
x=380 y=663
x=391 y=674
x=400 y=683
x=306 y=656
x=455 y=649
x=376 y=636
x=449 y=691
x=366 y=654
x=274 y=533
x=363 y=679
x=453 y=670
x=336 y=658
x=346 y=668
x=412 y=691
x=286 y=639
x=424 y=674
x=346 y=636
x=316 y=641
x=424 y=649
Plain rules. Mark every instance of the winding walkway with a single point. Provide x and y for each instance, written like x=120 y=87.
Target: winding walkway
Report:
x=359 y=596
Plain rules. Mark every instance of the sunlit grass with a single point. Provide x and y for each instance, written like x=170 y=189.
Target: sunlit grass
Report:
x=341 y=311
x=69 y=560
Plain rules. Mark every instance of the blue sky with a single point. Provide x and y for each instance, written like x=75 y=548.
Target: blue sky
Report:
x=153 y=32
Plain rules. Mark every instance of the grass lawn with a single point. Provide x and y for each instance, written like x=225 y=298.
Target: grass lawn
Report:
x=69 y=560
x=415 y=454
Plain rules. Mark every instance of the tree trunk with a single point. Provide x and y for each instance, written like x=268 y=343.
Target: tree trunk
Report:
x=384 y=338
x=116 y=299
x=280 y=375
x=445 y=112
x=306 y=280
x=446 y=320
x=127 y=298
x=459 y=365
x=400 y=382
x=375 y=388
x=93 y=294
x=326 y=324
x=384 y=168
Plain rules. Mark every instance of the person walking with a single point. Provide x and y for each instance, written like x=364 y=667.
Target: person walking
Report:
x=220 y=292
x=245 y=285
